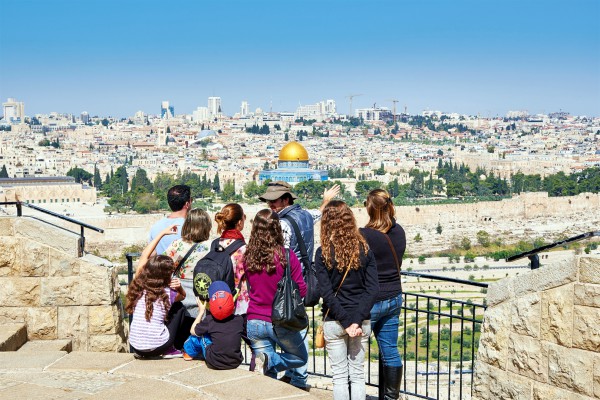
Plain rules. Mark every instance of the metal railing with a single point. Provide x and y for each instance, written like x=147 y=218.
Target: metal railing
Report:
x=438 y=340
x=533 y=256
x=82 y=225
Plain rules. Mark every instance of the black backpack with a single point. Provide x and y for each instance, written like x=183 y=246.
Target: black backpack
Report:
x=309 y=272
x=216 y=265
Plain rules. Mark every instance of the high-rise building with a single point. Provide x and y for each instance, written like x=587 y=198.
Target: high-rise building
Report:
x=214 y=106
x=14 y=111
x=320 y=110
x=85 y=117
x=167 y=111
x=201 y=114
x=244 y=112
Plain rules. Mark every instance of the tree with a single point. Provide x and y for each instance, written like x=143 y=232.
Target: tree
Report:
x=97 y=179
x=140 y=182
x=286 y=137
x=363 y=188
x=80 y=175
x=228 y=192
x=217 y=183
x=438 y=229
x=3 y=172
x=418 y=238
x=483 y=238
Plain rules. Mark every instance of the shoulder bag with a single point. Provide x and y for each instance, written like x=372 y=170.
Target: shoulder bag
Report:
x=320 y=335
x=288 y=309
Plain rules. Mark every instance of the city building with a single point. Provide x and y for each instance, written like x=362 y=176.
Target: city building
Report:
x=375 y=114
x=200 y=114
x=14 y=111
x=293 y=167
x=85 y=118
x=320 y=110
x=214 y=106
x=244 y=111
x=167 y=111
x=46 y=190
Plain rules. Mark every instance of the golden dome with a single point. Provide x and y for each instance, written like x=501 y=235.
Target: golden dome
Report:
x=293 y=151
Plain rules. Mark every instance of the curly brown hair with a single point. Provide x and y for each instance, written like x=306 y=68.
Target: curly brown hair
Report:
x=339 y=233
x=266 y=243
x=153 y=278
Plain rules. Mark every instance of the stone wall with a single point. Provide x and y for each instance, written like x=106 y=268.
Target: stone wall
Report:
x=541 y=334
x=58 y=295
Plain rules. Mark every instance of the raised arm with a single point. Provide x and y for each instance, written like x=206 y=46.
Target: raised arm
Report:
x=147 y=252
x=328 y=195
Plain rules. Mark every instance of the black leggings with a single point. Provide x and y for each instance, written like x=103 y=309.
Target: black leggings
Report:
x=174 y=323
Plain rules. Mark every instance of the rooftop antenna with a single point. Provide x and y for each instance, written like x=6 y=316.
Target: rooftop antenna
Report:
x=350 y=97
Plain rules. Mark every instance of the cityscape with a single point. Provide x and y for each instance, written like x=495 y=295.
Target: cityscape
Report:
x=481 y=121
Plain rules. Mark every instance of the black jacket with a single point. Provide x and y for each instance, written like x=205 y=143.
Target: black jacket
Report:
x=353 y=303
x=226 y=335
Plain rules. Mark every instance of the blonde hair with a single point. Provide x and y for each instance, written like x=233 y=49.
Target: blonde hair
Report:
x=228 y=217
x=381 y=210
x=196 y=227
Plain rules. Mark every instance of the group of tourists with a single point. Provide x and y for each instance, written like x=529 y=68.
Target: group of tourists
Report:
x=198 y=300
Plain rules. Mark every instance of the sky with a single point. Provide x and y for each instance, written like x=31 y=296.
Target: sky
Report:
x=113 y=58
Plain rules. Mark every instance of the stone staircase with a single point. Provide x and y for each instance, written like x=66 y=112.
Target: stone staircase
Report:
x=13 y=337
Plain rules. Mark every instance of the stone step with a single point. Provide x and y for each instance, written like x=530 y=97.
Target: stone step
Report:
x=12 y=336
x=48 y=345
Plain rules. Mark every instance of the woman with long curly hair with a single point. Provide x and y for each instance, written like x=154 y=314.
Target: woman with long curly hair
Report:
x=264 y=262
x=387 y=240
x=348 y=284
x=154 y=299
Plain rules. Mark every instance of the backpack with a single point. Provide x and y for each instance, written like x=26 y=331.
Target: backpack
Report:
x=216 y=265
x=309 y=272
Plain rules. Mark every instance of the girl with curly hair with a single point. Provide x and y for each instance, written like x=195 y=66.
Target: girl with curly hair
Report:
x=348 y=284
x=387 y=240
x=264 y=263
x=154 y=301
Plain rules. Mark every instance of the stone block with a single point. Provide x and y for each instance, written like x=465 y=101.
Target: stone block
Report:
x=20 y=292
x=42 y=323
x=34 y=346
x=6 y=226
x=557 y=315
x=491 y=383
x=589 y=270
x=528 y=357
x=31 y=258
x=11 y=361
x=493 y=342
x=103 y=320
x=63 y=291
x=597 y=377
x=62 y=264
x=88 y=361
x=526 y=313
x=12 y=314
x=570 y=369
x=97 y=285
x=587 y=295
x=12 y=336
x=43 y=233
x=586 y=328
x=547 y=277
x=107 y=343
x=73 y=324
x=8 y=253
x=545 y=392
x=499 y=292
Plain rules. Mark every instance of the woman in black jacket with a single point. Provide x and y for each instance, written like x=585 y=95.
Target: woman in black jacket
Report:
x=348 y=284
x=387 y=240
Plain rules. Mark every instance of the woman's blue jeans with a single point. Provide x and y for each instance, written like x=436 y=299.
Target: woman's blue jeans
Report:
x=264 y=339
x=385 y=317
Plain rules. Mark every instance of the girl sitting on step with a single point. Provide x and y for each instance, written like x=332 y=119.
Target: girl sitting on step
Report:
x=154 y=299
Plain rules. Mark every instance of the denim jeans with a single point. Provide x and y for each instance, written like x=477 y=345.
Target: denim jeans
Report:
x=197 y=345
x=299 y=376
x=385 y=316
x=264 y=339
x=347 y=357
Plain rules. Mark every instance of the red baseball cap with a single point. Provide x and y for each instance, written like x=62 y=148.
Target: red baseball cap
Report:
x=220 y=300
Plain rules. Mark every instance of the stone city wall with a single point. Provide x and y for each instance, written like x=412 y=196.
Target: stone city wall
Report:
x=56 y=294
x=540 y=337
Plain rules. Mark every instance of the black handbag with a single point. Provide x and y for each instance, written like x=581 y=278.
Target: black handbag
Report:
x=288 y=309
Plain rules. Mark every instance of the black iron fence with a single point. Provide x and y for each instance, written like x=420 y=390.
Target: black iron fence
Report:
x=438 y=338
x=82 y=225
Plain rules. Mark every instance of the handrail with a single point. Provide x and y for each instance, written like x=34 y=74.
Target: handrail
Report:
x=444 y=278
x=82 y=225
x=533 y=254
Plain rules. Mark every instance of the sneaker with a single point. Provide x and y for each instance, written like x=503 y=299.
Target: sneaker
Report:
x=186 y=356
x=285 y=379
x=262 y=364
x=172 y=353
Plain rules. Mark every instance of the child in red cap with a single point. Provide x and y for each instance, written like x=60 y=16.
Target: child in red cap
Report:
x=216 y=337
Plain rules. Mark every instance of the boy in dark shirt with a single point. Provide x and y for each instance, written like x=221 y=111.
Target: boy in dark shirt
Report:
x=216 y=338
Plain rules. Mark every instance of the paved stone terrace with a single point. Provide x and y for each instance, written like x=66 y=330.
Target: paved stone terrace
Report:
x=87 y=375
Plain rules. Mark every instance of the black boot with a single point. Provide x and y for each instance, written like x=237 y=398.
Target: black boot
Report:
x=392 y=380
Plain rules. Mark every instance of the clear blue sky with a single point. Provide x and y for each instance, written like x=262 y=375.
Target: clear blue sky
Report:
x=477 y=56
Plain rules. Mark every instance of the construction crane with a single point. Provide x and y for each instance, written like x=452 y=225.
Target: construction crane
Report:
x=351 y=96
x=394 y=101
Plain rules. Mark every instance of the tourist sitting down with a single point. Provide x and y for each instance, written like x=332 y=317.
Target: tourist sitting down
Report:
x=216 y=337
